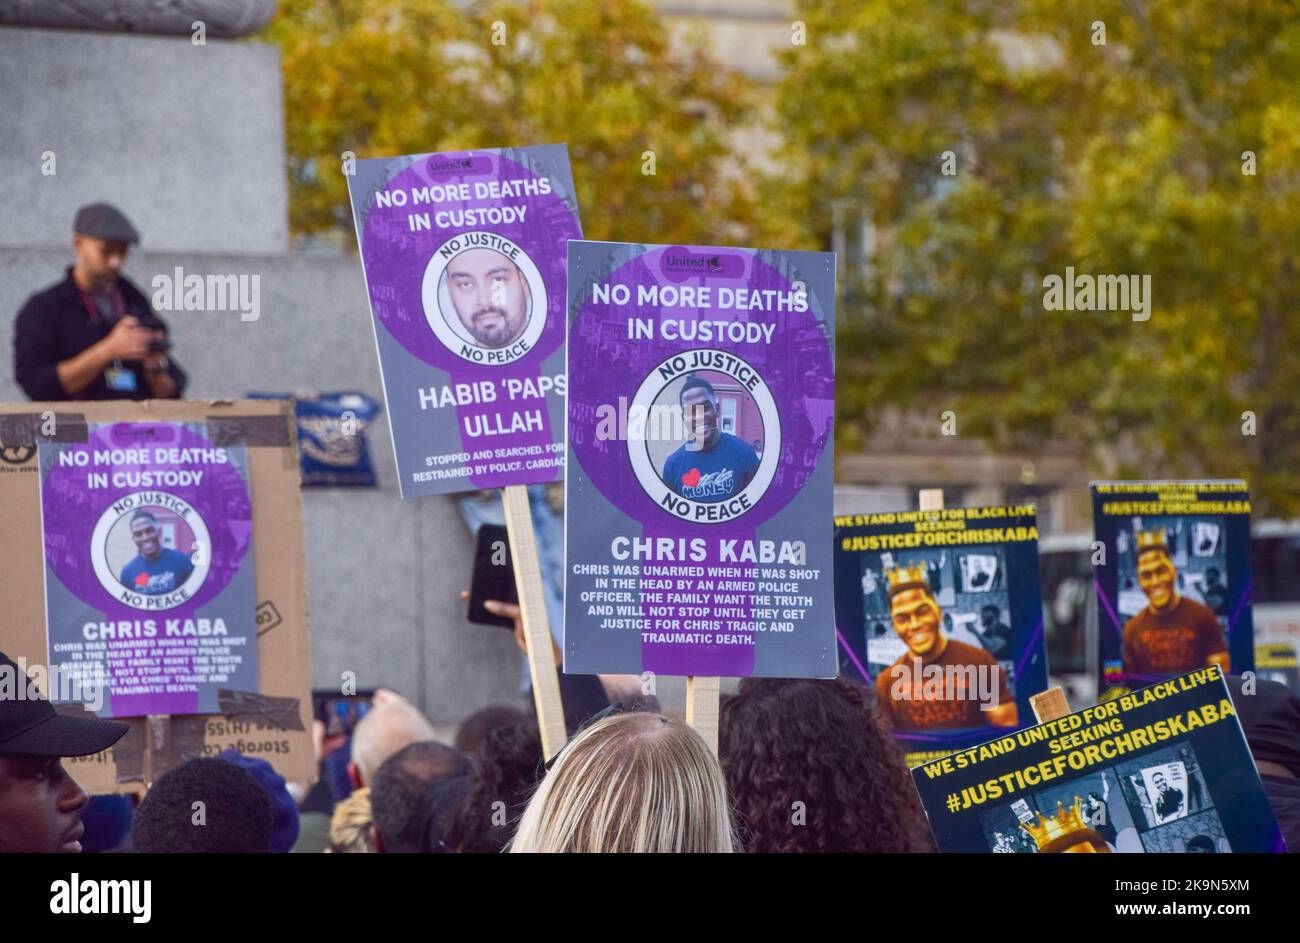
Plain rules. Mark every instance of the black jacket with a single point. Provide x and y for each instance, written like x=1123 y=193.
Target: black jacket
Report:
x=1284 y=796
x=55 y=326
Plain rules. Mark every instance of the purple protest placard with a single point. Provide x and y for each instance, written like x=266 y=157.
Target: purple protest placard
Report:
x=700 y=438
x=149 y=583
x=464 y=260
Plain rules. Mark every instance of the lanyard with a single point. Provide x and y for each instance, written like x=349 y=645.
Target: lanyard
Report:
x=119 y=307
x=119 y=310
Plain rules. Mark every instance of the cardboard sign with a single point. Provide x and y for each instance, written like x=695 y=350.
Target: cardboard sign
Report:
x=1173 y=580
x=698 y=496
x=268 y=717
x=941 y=613
x=1163 y=769
x=464 y=257
x=148 y=576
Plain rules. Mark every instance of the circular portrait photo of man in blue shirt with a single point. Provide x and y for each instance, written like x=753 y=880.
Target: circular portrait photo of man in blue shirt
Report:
x=155 y=569
x=724 y=438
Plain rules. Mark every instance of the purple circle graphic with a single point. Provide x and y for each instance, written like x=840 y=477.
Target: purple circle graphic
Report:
x=72 y=507
x=396 y=257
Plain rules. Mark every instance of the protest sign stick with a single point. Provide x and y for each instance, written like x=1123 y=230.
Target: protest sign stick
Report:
x=532 y=608
x=702 y=695
x=702 y=707
x=1049 y=704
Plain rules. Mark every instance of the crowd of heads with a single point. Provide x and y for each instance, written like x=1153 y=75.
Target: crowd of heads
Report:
x=802 y=766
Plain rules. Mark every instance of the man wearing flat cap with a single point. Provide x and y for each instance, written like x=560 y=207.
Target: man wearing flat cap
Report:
x=40 y=803
x=94 y=335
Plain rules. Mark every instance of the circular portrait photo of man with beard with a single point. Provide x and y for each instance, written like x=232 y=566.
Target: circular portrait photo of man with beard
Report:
x=484 y=298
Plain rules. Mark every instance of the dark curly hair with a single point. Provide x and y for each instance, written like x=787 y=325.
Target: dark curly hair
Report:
x=784 y=741
x=508 y=771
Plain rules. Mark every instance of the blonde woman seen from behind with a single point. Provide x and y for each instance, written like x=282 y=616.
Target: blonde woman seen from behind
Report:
x=634 y=782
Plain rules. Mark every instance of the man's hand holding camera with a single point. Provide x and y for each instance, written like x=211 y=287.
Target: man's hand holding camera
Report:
x=129 y=340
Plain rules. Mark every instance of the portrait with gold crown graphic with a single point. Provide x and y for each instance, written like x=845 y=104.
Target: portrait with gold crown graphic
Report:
x=1066 y=832
x=940 y=682
x=1156 y=802
x=940 y=613
x=1172 y=633
x=1087 y=815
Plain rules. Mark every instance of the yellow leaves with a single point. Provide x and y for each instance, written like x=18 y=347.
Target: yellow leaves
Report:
x=378 y=77
x=1280 y=127
x=1123 y=159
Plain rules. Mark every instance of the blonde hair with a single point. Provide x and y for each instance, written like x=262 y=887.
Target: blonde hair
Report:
x=633 y=782
x=352 y=825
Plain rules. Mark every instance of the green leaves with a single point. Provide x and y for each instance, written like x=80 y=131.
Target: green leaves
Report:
x=380 y=78
x=1117 y=159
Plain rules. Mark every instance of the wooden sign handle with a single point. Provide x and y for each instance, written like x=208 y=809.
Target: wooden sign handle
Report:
x=532 y=607
x=930 y=499
x=1049 y=704
x=702 y=708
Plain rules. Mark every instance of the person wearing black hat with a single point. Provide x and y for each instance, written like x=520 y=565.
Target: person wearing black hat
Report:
x=94 y=335
x=1270 y=719
x=39 y=801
